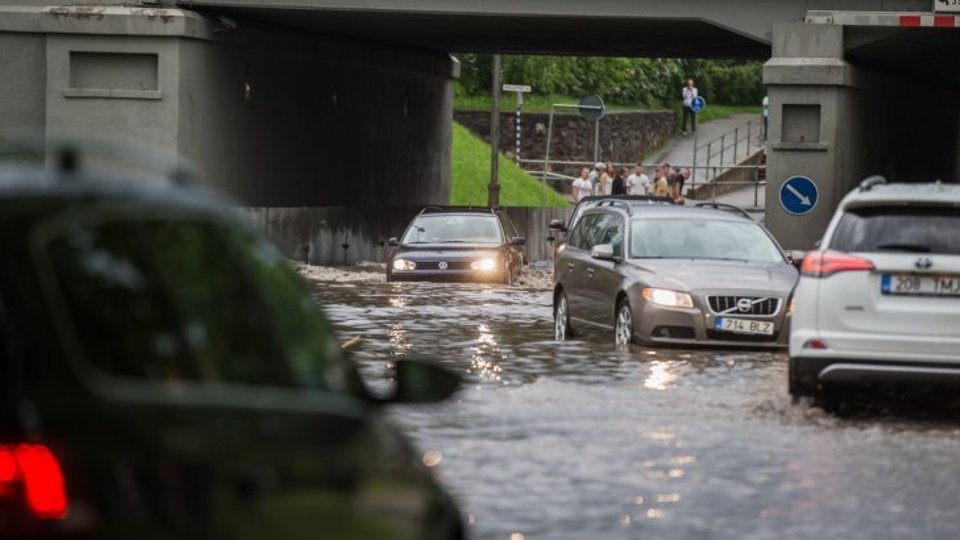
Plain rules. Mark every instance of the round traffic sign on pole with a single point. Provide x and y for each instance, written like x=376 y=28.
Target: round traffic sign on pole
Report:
x=799 y=195
x=698 y=104
x=592 y=108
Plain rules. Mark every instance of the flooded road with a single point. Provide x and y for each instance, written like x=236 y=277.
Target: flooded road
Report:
x=578 y=440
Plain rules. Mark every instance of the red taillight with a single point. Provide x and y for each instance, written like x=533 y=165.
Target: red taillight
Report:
x=36 y=469
x=825 y=264
x=815 y=344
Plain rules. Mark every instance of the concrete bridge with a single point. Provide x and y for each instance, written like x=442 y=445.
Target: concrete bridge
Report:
x=348 y=103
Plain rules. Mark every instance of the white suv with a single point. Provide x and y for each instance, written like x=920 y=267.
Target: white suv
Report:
x=879 y=301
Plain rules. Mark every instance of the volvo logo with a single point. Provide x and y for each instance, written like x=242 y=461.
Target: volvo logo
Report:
x=442 y=265
x=923 y=263
x=745 y=305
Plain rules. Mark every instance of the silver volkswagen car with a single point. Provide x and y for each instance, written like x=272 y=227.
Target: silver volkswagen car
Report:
x=673 y=276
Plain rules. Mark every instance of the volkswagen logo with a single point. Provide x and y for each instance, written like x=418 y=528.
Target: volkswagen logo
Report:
x=442 y=265
x=745 y=305
x=923 y=263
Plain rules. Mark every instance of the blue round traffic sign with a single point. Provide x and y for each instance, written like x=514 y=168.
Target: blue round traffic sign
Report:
x=698 y=104
x=799 y=195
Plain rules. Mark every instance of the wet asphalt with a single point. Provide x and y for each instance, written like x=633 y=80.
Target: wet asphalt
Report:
x=580 y=440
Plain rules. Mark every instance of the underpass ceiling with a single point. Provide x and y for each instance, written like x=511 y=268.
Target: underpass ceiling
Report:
x=584 y=36
x=925 y=54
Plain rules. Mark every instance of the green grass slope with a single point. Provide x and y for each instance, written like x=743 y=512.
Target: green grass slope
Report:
x=471 y=174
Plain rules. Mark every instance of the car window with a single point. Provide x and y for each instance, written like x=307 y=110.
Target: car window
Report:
x=181 y=300
x=702 y=239
x=588 y=232
x=454 y=229
x=912 y=230
x=508 y=228
x=613 y=230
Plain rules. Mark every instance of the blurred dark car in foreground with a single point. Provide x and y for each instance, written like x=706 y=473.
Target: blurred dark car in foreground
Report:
x=165 y=375
x=457 y=244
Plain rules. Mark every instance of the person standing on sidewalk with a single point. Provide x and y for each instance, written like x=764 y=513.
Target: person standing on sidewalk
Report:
x=766 y=115
x=689 y=93
x=638 y=183
x=619 y=185
x=582 y=187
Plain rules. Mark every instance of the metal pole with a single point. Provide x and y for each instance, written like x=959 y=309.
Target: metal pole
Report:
x=493 y=190
x=706 y=175
x=519 y=108
x=546 y=162
x=723 y=144
x=694 y=175
x=736 y=144
x=596 y=141
x=749 y=136
x=756 y=187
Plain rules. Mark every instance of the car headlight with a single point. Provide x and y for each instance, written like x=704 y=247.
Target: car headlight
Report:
x=403 y=265
x=664 y=297
x=484 y=265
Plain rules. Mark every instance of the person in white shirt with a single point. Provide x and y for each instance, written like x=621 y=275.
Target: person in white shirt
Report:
x=766 y=114
x=638 y=183
x=689 y=93
x=582 y=186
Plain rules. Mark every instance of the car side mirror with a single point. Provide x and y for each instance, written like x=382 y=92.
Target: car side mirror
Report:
x=518 y=241
x=420 y=381
x=603 y=252
x=393 y=242
x=558 y=225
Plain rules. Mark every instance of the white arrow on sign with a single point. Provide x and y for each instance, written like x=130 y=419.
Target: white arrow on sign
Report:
x=804 y=200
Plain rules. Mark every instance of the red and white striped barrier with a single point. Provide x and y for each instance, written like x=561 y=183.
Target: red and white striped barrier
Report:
x=880 y=18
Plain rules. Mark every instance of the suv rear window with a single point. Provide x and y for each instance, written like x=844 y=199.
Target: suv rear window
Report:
x=904 y=229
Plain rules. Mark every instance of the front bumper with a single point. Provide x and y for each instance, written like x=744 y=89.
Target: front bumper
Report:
x=660 y=325
x=446 y=276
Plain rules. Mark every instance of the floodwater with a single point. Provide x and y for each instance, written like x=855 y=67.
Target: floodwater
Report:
x=578 y=440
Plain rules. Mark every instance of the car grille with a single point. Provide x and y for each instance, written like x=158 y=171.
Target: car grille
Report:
x=451 y=265
x=730 y=305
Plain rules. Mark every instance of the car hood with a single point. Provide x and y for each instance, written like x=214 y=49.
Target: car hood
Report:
x=692 y=275
x=436 y=253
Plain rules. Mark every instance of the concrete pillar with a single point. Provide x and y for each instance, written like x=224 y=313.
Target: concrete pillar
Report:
x=816 y=126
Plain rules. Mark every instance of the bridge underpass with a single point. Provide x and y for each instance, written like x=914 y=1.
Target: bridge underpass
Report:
x=333 y=117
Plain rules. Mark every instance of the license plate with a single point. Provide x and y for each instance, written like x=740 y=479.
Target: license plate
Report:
x=914 y=285
x=743 y=326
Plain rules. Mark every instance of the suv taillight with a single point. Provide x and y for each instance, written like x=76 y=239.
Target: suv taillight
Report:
x=32 y=471
x=827 y=263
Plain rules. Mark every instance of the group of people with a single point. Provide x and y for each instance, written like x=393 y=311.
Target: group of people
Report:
x=605 y=179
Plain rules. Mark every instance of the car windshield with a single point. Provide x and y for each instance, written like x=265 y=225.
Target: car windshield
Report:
x=702 y=239
x=453 y=229
x=905 y=230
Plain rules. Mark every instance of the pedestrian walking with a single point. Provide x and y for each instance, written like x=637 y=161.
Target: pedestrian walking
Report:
x=638 y=183
x=619 y=184
x=689 y=93
x=582 y=187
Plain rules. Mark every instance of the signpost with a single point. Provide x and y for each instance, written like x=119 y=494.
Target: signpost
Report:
x=591 y=108
x=697 y=105
x=799 y=195
x=520 y=90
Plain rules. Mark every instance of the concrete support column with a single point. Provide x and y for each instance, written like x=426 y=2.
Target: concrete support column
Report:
x=816 y=126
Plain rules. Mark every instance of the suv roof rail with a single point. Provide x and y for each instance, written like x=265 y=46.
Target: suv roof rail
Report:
x=872 y=181
x=475 y=209
x=725 y=207
x=616 y=202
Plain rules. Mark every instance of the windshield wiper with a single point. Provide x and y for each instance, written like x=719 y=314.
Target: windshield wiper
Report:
x=911 y=248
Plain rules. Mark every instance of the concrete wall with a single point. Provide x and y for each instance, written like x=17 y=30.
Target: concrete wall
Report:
x=318 y=235
x=272 y=118
x=625 y=137
x=869 y=124
x=286 y=120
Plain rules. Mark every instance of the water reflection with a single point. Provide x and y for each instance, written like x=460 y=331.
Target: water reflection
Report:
x=576 y=440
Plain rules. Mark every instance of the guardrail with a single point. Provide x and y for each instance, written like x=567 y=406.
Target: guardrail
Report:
x=733 y=145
